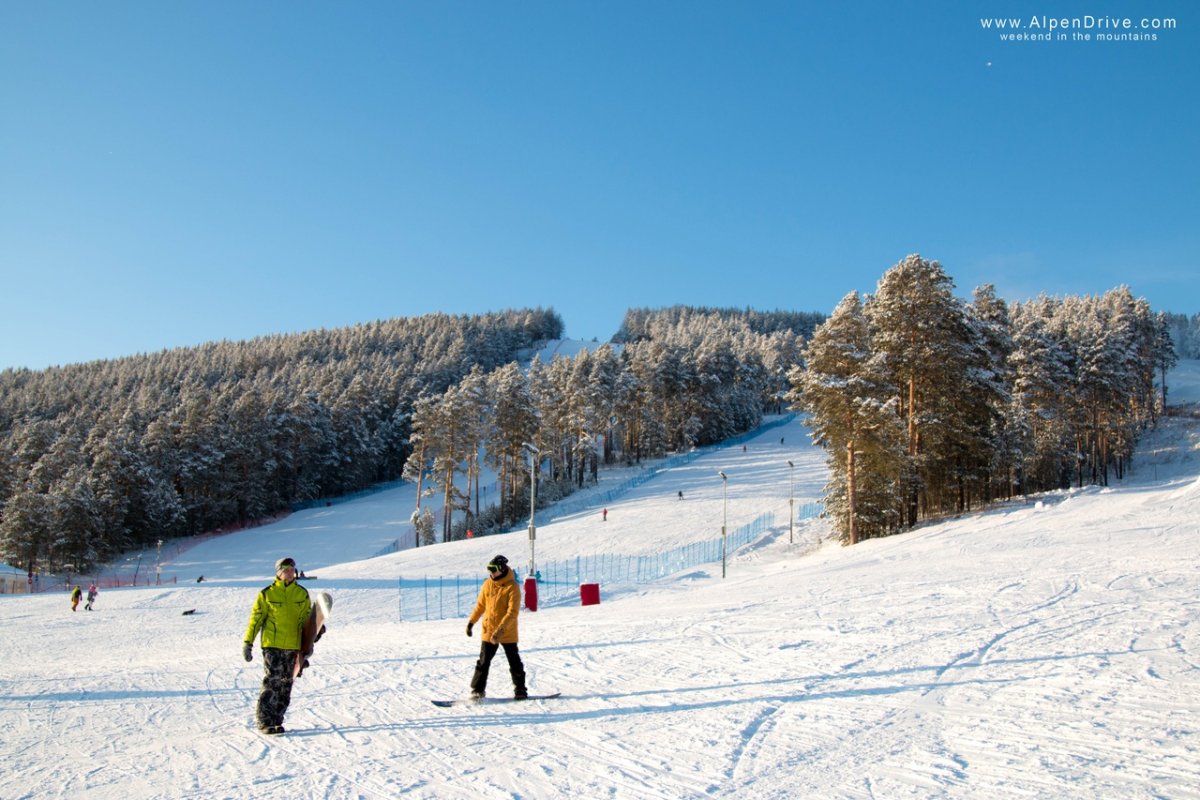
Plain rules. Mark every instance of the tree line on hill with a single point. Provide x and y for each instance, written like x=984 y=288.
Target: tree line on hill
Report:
x=112 y=455
x=109 y=456
x=926 y=404
x=689 y=377
x=929 y=405
x=642 y=323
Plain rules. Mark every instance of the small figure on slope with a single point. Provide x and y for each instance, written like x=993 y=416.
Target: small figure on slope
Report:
x=92 y=592
x=76 y=593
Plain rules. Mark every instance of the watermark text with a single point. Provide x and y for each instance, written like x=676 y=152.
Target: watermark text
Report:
x=1086 y=28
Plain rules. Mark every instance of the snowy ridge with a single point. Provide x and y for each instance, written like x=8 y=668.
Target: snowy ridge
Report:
x=1047 y=647
x=566 y=348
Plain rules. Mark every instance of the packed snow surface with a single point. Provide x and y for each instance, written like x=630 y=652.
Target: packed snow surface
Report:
x=1047 y=647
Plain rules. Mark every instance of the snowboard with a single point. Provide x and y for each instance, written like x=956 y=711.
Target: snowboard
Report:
x=467 y=701
x=312 y=630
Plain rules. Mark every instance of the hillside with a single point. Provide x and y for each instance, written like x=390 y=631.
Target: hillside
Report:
x=1049 y=647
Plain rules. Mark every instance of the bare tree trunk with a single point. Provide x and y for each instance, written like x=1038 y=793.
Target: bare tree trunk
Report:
x=478 y=470
x=447 y=505
x=1164 y=388
x=912 y=418
x=913 y=448
x=852 y=500
x=420 y=474
x=502 y=488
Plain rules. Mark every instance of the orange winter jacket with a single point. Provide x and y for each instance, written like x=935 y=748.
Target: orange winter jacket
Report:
x=499 y=603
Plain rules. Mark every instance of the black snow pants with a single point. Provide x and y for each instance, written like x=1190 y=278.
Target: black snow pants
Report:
x=487 y=652
x=276 y=686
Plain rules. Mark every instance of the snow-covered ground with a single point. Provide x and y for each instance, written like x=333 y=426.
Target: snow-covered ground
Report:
x=1048 y=647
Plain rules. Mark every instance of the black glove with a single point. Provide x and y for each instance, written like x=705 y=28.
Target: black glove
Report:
x=470 y=625
x=248 y=651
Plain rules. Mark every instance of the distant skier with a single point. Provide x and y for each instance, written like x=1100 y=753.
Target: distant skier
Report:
x=680 y=494
x=92 y=592
x=604 y=515
x=498 y=605
x=76 y=594
x=279 y=612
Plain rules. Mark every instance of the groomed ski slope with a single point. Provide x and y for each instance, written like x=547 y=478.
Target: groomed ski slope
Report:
x=1045 y=648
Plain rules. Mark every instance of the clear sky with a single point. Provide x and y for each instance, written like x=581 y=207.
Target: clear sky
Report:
x=175 y=173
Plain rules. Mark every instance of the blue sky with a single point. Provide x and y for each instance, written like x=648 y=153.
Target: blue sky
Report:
x=175 y=173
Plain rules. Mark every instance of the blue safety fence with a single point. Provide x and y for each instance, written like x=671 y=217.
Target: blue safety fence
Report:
x=429 y=598
x=557 y=579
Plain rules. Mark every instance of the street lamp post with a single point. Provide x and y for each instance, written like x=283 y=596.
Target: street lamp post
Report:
x=792 y=505
x=724 y=518
x=534 y=459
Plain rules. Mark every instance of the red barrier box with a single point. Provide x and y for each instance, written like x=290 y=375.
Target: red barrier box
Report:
x=531 y=594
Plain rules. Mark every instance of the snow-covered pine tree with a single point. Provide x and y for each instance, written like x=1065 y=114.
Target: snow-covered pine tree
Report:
x=852 y=410
x=451 y=445
x=476 y=399
x=584 y=410
x=424 y=432
x=921 y=331
x=514 y=423
x=1166 y=356
x=603 y=396
x=1043 y=395
x=989 y=316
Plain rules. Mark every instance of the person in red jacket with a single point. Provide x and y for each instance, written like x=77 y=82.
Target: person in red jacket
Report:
x=498 y=605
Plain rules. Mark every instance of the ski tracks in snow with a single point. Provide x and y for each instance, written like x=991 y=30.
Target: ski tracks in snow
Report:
x=915 y=721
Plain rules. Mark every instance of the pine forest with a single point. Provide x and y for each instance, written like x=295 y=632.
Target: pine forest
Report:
x=926 y=405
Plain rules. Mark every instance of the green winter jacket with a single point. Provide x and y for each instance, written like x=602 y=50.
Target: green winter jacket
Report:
x=280 y=611
x=498 y=604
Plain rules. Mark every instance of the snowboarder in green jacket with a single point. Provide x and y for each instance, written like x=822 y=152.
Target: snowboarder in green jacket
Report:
x=279 y=613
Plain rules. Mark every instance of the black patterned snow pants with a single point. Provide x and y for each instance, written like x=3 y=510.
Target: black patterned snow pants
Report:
x=276 y=686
